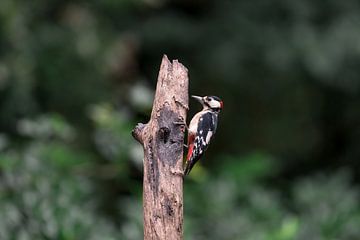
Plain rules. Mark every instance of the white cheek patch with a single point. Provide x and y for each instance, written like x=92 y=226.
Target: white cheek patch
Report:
x=214 y=104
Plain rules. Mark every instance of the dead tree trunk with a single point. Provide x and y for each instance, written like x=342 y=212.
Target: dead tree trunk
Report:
x=162 y=139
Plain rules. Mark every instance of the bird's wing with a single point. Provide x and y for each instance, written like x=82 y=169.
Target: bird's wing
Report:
x=198 y=143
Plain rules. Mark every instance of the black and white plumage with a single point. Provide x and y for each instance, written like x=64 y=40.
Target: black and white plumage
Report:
x=201 y=129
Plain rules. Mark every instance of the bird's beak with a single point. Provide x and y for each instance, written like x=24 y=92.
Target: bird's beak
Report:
x=200 y=99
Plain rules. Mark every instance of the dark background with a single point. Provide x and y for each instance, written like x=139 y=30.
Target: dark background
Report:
x=76 y=76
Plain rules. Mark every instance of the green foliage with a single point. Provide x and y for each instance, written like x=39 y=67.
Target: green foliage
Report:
x=331 y=207
x=75 y=77
x=245 y=170
x=321 y=207
x=42 y=194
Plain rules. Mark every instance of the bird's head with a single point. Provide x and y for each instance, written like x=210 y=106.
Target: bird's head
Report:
x=210 y=102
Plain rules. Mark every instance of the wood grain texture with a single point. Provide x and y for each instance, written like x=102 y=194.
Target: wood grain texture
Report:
x=162 y=139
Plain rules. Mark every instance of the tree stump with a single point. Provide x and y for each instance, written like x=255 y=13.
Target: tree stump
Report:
x=162 y=138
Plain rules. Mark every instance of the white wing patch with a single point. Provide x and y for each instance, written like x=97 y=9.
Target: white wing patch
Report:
x=208 y=136
x=203 y=142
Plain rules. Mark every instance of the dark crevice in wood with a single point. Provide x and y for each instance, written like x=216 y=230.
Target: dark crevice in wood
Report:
x=164 y=133
x=153 y=168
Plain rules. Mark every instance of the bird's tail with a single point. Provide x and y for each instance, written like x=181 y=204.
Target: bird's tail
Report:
x=188 y=167
x=189 y=164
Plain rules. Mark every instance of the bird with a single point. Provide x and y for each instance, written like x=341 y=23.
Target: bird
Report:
x=201 y=129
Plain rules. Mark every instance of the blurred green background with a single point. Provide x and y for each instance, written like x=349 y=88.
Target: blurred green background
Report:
x=76 y=76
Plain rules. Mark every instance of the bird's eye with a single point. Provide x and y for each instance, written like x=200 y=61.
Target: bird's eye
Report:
x=208 y=99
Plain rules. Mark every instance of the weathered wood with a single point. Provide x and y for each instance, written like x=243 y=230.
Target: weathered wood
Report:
x=162 y=139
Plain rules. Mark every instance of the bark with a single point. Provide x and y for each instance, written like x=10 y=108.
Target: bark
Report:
x=162 y=138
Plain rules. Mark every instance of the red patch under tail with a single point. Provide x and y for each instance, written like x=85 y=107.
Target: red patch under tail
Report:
x=191 y=139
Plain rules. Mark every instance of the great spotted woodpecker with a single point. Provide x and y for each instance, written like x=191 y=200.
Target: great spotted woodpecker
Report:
x=201 y=129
